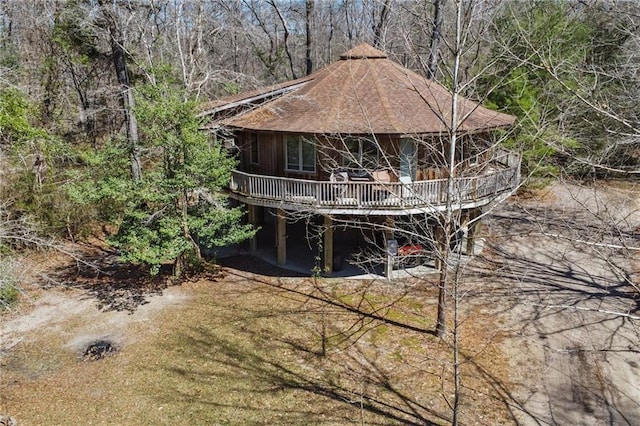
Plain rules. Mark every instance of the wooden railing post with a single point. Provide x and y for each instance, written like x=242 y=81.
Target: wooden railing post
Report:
x=475 y=189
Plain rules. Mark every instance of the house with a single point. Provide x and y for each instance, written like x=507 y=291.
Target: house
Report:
x=363 y=140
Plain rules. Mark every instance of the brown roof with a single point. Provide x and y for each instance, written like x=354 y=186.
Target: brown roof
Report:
x=362 y=93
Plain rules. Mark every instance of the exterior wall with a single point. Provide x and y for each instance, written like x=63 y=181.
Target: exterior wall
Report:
x=431 y=156
x=270 y=153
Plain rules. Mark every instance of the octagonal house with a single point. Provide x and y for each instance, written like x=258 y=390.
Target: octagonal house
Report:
x=363 y=142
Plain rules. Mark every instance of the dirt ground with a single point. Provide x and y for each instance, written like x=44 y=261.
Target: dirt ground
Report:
x=554 y=293
x=566 y=276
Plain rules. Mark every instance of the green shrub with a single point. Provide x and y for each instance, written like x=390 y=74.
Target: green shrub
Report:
x=8 y=295
x=9 y=291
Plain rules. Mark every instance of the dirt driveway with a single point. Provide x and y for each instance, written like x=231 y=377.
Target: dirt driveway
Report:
x=565 y=275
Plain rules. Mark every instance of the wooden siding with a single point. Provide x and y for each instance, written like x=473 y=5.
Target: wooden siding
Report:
x=431 y=155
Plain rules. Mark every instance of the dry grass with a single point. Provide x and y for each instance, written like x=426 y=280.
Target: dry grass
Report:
x=248 y=349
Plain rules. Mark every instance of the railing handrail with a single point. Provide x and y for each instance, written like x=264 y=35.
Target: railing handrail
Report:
x=373 y=194
x=349 y=182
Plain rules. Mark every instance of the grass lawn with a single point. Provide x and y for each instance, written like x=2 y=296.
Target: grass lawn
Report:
x=249 y=349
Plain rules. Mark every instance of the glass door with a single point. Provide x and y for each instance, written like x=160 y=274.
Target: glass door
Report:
x=407 y=160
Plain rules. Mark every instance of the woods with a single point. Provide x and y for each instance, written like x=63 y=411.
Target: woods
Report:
x=99 y=100
x=566 y=69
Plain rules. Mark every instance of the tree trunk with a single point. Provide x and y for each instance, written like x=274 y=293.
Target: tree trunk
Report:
x=309 y=13
x=443 y=252
x=447 y=219
x=126 y=95
x=128 y=105
x=449 y=212
x=286 y=38
x=436 y=34
x=184 y=209
x=380 y=26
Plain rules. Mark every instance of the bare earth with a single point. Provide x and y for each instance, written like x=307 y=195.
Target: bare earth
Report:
x=567 y=311
x=573 y=307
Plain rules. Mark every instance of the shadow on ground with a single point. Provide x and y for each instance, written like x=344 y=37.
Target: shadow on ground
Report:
x=251 y=356
x=567 y=283
x=254 y=265
x=115 y=286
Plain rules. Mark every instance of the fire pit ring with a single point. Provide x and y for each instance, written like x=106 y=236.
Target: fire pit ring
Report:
x=98 y=350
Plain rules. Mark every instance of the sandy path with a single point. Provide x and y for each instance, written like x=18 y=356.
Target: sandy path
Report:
x=57 y=308
x=571 y=306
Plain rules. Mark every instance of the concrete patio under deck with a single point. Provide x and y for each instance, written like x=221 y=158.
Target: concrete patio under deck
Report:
x=304 y=256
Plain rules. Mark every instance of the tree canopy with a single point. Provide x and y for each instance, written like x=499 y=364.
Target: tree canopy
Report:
x=83 y=107
x=177 y=208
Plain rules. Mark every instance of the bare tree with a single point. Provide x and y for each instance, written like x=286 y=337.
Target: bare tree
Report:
x=584 y=112
x=285 y=30
x=380 y=26
x=571 y=263
x=309 y=4
x=436 y=34
x=112 y=17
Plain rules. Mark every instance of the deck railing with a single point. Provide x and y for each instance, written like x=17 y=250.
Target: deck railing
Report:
x=376 y=195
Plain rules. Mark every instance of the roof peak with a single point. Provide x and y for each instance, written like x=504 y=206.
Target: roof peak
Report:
x=363 y=51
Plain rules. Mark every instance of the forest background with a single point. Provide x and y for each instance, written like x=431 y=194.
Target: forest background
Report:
x=99 y=126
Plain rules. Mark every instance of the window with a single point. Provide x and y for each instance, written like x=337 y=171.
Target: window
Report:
x=301 y=154
x=360 y=154
x=254 y=152
x=476 y=152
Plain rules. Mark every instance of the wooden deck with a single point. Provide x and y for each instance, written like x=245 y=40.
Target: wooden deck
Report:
x=375 y=197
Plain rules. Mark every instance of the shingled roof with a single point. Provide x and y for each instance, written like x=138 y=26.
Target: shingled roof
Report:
x=362 y=93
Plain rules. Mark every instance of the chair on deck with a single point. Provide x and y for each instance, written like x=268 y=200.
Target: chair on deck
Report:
x=337 y=176
x=381 y=176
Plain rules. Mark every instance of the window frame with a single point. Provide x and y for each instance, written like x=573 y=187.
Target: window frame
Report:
x=301 y=143
x=253 y=143
x=361 y=159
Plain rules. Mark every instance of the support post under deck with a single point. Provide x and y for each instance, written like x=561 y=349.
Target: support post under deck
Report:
x=474 y=229
x=388 y=235
x=253 y=221
x=281 y=236
x=328 y=245
x=464 y=224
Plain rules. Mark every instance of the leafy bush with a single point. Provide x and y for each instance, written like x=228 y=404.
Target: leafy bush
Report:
x=9 y=291
x=36 y=169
